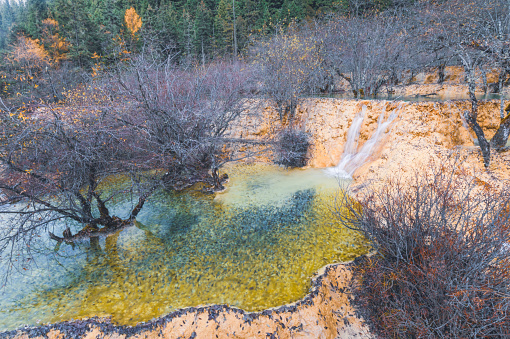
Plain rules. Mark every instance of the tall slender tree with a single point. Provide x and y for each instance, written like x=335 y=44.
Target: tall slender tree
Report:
x=79 y=29
x=224 y=28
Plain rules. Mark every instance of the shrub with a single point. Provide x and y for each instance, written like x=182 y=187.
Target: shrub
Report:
x=442 y=262
x=292 y=147
x=290 y=65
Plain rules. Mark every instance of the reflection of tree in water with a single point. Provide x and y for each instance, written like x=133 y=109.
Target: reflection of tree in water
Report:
x=146 y=263
x=112 y=281
x=174 y=213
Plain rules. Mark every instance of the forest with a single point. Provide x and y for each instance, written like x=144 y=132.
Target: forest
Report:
x=198 y=29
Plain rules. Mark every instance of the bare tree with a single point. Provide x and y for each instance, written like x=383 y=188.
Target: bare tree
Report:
x=53 y=169
x=142 y=126
x=290 y=66
x=184 y=114
x=367 y=51
x=475 y=34
x=441 y=268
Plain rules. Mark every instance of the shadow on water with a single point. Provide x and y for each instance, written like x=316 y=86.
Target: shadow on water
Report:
x=255 y=246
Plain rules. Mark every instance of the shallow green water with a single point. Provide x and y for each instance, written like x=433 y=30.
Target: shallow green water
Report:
x=254 y=246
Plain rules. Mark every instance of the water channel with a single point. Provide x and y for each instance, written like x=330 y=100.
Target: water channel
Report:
x=254 y=246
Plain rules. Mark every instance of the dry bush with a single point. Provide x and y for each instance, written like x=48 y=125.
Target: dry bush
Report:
x=292 y=147
x=441 y=268
x=290 y=66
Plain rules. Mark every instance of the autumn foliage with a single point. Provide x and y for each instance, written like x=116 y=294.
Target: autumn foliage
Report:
x=132 y=20
x=28 y=53
x=57 y=46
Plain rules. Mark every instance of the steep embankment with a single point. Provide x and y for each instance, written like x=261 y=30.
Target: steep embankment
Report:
x=424 y=132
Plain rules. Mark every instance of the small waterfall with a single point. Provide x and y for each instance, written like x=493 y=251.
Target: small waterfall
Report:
x=352 y=159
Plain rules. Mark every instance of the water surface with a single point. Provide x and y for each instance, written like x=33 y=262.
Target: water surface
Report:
x=254 y=246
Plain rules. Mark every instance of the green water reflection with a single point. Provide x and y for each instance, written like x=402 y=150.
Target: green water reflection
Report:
x=255 y=246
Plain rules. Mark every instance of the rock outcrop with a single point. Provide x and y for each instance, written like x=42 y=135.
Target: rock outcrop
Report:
x=424 y=132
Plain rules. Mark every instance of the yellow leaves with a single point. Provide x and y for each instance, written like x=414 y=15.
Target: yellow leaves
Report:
x=28 y=52
x=96 y=69
x=132 y=20
x=50 y=23
x=57 y=46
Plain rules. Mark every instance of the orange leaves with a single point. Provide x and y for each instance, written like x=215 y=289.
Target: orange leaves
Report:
x=57 y=46
x=28 y=52
x=132 y=20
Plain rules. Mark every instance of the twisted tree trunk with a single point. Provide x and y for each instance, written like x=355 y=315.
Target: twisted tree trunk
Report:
x=500 y=139
x=471 y=117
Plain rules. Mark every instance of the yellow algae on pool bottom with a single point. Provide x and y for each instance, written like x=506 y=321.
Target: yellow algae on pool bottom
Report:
x=324 y=313
x=247 y=254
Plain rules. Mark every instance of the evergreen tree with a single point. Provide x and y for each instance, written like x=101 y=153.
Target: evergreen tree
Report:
x=203 y=31
x=186 y=34
x=164 y=25
x=197 y=28
x=107 y=15
x=79 y=30
x=292 y=10
x=7 y=20
x=224 y=28
x=36 y=12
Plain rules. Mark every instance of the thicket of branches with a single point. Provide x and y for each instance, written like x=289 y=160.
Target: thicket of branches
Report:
x=442 y=262
x=183 y=115
x=292 y=147
x=145 y=123
x=374 y=52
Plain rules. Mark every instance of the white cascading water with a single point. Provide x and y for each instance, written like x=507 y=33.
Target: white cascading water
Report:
x=352 y=159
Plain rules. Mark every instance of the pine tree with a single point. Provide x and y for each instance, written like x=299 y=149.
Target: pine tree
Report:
x=224 y=28
x=203 y=31
x=36 y=12
x=249 y=21
x=186 y=34
x=165 y=25
x=108 y=16
x=292 y=10
x=78 y=29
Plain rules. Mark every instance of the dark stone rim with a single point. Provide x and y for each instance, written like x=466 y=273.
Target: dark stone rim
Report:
x=76 y=329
